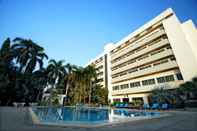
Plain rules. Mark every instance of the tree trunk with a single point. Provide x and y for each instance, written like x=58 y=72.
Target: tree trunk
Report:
x=90 y=91
x=50 y=97
x=67 y=87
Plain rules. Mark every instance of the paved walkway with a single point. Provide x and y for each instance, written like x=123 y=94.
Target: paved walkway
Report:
x=18 y=119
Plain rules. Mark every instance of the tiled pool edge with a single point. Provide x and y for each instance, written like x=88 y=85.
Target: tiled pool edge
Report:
x=34 y=117
x=37 y=122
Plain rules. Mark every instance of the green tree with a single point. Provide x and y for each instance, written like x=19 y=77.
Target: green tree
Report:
x=56 y=72
x=17 y=67
x=91 y=77
x=28 y=54
x=161 y=95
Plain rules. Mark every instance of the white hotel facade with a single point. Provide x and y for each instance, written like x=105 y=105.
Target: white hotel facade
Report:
x=161 y=52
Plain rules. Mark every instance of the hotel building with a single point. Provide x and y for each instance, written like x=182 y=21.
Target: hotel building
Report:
x=101 y=69
x=163 y=52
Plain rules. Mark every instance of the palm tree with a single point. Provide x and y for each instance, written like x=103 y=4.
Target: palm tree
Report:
x=28 y=54
x=69 y=78
x=80 y=87
x=161 y=95
x=91 y=76
x=7 y=73
x=40 y=82
x=56 y=72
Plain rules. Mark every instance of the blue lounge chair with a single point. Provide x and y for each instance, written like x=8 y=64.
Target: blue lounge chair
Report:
x=146 y=106
x=121 y=105
x=125 y=105
x=155 y=106
x=117 y=105
x=126 y=113
x=164 y=106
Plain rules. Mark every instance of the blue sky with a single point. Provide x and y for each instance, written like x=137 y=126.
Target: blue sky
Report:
x=77 y=30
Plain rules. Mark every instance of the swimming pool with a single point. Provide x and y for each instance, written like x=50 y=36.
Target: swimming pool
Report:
x=88 y=116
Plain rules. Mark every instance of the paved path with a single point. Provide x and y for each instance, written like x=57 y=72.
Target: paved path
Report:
x=18 y=119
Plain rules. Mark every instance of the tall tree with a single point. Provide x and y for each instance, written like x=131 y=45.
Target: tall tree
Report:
x=69 y=78
x=18 y=62
x=56 y=72
x=91 y=75
x=7 y=73
x=28 y=54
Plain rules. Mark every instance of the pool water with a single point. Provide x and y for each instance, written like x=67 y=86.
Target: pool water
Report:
x=88 y=116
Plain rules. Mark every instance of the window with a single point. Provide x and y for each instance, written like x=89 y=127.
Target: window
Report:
x=134 y=84
x=143 y=57
x=157 y=51
x=131 y=61
x=133 y=70
x=148 y=82
x=115 y=87
x=124 y=86
x=100 y=73
x=179 y=76
x=169 y=78
x=124 y=73
x=145 y=67
x=173 y=59
x=160 y=62
x=114 y=76
x=140 y=48
x=169 y=47
x=161 y=80
x=100 y=80
x=165 y=79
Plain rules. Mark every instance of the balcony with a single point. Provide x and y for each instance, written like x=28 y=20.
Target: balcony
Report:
x=150 y=58
x=135 y=45
x=170 y=64
x=148 y=49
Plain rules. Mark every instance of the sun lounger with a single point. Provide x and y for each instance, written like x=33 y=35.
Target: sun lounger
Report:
x=146 y=106
x=155 y=106
x=164 y=106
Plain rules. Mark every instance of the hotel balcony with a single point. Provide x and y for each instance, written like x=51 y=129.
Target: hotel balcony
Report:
x=148 y=49
x=153 y=69
x=139 y=43
x=150 y=58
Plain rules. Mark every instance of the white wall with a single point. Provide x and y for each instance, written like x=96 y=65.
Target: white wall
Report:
x=183 y=51
x=108 y=48
x=190 y=32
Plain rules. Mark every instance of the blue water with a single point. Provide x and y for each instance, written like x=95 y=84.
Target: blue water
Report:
x=73 y=115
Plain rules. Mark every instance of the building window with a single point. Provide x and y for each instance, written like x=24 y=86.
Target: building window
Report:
x=179 y=76
x=165 y=79
x=143 y=57
x=157 y=51
x=100 y=80
x=161 y=80
x=173 y=59
x=160 y=62
x=125 y=86
x=145 y=67
x=133 y=70
x=169 y=78
x=148 y=82
x=122 y=74
x=135 y=84
x=115 y=87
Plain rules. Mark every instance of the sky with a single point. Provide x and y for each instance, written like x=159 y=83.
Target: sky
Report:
x=77 y=30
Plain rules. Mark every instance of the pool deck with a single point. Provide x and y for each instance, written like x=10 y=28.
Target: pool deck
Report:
x=19 y=119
